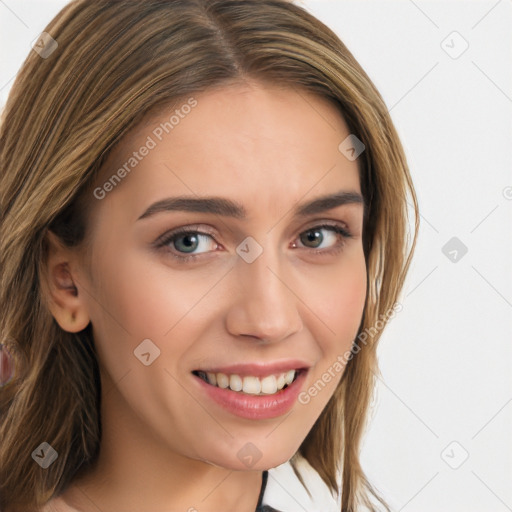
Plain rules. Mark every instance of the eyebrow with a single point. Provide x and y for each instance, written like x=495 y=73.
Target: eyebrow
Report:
x=227 y=207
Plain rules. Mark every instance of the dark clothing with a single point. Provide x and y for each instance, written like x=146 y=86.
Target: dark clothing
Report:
x=259 y=506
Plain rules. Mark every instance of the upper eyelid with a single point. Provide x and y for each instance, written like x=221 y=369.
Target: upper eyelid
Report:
x=167 y=237
x=199 y=228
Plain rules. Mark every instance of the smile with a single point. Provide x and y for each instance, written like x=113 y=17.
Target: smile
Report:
x=249 y=384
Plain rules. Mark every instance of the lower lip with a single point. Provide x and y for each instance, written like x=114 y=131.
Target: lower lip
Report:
x=255 y=407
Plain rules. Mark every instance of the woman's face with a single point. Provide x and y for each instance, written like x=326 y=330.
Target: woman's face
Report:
x=269 y=290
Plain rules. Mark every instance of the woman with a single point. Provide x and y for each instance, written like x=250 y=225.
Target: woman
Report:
x=204 y=214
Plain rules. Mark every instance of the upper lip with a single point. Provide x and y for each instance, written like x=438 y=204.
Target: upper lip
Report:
x=258 y=369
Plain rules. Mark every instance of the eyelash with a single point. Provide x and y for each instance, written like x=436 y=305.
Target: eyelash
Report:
x=163 y=241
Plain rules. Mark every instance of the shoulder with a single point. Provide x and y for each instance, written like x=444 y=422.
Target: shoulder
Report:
x=285 y=492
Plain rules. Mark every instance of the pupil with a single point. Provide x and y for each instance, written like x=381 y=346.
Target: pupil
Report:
x=312 y=236
x=190 y=242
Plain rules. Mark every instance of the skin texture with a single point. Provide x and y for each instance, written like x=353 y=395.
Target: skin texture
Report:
x=166 y=445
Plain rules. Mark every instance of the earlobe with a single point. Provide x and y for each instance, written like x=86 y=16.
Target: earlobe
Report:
x=66 y=303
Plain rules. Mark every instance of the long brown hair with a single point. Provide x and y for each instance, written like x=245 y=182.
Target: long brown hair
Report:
x=116 y=61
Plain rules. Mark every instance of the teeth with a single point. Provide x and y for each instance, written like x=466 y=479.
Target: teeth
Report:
x=222 y=380
x=235 y=383
x=269 y=385
x=288 y=378
x=250 y=385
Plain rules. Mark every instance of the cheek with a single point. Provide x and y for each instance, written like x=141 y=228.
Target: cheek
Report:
x=341 y=310
x=347 y=308
x=340 y=301
x=143 y=299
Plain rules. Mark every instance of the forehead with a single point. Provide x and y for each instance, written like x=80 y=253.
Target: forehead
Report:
x=256 y=142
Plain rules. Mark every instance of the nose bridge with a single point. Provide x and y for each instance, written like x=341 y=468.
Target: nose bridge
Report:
x=265 y=307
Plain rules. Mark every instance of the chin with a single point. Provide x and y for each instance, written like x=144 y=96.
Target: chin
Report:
x=251 y=458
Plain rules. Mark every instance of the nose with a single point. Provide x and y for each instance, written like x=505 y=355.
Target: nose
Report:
x=265 y=304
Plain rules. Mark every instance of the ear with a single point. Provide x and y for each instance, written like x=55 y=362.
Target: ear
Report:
x=66 y=304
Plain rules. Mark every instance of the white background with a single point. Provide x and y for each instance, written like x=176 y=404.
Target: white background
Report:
x=446 y=358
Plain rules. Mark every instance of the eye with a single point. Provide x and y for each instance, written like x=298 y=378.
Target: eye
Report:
x=183 y=243
x=313 y=238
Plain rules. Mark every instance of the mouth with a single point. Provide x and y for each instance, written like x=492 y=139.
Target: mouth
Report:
x=271 y=384
x=254 y=391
